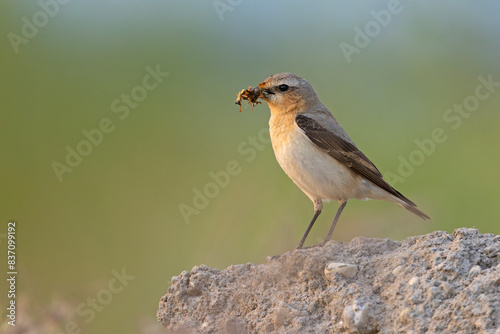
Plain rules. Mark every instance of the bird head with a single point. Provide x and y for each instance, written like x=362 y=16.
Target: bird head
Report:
x=285 y=92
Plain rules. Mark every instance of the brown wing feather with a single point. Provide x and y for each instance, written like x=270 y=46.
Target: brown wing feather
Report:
x=346 y=153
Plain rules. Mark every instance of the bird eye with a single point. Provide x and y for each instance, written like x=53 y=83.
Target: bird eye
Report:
x=283 y=88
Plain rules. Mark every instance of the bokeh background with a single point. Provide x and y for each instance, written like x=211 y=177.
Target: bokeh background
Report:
x=119 y=209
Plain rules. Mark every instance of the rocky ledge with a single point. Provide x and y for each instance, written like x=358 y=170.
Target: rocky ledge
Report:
x=434 y=283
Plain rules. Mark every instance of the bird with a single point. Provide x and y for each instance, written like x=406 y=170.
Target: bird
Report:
x=316 y=153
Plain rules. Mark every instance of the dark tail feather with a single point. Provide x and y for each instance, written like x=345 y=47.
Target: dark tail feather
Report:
x=414 y=210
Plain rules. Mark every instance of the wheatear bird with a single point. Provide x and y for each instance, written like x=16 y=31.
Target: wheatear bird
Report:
x=316 y=153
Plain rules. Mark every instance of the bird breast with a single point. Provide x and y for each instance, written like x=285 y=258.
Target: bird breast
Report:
x=316 y=173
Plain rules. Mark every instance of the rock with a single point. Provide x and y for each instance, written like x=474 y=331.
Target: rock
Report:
x=405 y=316
x=356 y=317
x=398 y=270
x=346 y=270
x=474 y=271
x=435 y=283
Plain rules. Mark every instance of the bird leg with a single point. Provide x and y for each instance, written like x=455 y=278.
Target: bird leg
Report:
x=339 y=211
x=316 y=214
x=318 y=206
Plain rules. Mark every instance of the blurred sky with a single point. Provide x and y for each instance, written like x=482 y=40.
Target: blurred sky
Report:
x=119 y=207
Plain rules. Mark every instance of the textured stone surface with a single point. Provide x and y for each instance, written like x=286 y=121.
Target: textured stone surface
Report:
x=435 y=283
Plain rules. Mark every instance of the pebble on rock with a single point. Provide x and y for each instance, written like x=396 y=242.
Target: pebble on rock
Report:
x=346 y=270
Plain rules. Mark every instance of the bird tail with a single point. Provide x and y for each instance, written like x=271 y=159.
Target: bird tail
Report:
x=413 y=209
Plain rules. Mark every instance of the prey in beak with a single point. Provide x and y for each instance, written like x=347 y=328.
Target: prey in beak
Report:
x=250 y=95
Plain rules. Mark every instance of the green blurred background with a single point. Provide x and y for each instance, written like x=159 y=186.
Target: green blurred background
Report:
x=120 y=207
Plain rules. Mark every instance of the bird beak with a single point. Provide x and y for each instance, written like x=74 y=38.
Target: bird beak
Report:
x=264 y=91
x=267 y=92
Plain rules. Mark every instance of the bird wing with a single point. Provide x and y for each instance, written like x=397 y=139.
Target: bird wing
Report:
x=345 y=152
